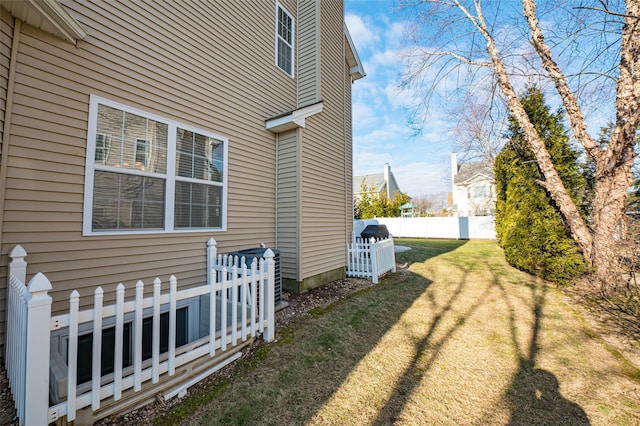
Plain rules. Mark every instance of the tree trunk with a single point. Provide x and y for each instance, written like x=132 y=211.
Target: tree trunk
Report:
x=613 y=170
x=613 y=162
x=608 y=223
x=553 y=183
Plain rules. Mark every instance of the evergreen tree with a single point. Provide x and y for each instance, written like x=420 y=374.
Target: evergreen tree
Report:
x=529 y=225
x=393 y=205
x=370 y=204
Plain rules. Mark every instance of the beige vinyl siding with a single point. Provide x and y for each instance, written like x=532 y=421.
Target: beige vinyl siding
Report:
x=6 y=41
x=288 y=203
x=6 y=38
x=196 y=63
x=308 y=52
x=324 y=178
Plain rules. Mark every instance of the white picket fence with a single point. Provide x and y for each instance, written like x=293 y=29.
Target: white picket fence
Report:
x=370 y=258
x=248 y=292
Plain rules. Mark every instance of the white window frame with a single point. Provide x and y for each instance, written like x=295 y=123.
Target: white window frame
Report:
x=145 y=143
x=169 y=176
x=59 y=340
x=293 y=38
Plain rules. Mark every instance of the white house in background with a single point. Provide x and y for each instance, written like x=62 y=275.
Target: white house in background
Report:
x=377 y=183
x=473 y=188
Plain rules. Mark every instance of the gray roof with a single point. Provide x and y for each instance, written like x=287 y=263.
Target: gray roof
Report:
x=467 y=171
x=376 y=180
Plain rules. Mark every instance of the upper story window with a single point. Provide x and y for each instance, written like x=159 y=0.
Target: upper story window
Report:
x=149 y=174
x=284 y=40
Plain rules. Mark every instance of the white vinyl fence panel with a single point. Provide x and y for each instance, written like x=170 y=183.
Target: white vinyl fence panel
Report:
x=370 y=258
x=463 y=228
x=243 y=294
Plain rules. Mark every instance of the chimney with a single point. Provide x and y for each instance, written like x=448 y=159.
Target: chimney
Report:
x=387 y=173
x=454 y=164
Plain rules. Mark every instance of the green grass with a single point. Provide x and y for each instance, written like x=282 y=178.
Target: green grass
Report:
x=461 y=339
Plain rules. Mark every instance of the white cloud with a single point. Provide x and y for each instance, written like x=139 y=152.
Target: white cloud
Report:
x=386 y=58
x=420 y=178
x=361 y=33
x=364 y=116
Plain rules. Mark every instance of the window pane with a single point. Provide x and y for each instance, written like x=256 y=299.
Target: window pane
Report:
x=284 y=56
x=130 y=141
x=85 y=353
x=122 y=201
x=182 y=328
x=198 y=205
x=199 y=156
x=103 y=148
x=284 y=25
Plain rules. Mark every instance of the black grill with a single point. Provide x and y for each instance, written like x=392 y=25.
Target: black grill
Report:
x=378 y=232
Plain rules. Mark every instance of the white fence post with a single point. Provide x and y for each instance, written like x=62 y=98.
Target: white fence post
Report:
x=269 y=296
x=373 y=252
x=15 y=345
x=211 y=257
x=17 y=265
x=37 y=362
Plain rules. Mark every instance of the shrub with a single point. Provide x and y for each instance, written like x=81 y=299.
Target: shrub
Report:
x=529 y=226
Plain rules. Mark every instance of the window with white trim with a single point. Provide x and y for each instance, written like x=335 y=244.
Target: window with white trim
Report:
x=284 y=40
x=187 y=330
x=150 y=174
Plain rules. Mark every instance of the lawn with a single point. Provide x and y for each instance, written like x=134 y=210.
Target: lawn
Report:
x=458 y=338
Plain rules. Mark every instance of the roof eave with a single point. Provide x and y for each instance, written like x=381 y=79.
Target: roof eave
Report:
x=293 y=119
x=59 y=20
x=356 y=70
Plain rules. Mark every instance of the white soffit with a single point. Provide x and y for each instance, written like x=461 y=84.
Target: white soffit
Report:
x=356 y=70
x=293 y=119
x=47 y=15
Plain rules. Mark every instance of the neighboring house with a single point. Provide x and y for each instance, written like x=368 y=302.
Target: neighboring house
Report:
x=473 y=188
x=376 y=184
x=132 y=132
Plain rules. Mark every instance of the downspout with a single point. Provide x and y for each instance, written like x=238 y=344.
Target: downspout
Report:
x=6 y=133
x=277 y=236
x=345 y=140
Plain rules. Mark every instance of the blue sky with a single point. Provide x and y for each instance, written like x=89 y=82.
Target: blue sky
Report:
x=381 y=133
x=421 y=163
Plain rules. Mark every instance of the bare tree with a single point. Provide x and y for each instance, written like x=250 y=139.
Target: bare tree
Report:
x=433 y=204
x=479 y=129
x=597 y=43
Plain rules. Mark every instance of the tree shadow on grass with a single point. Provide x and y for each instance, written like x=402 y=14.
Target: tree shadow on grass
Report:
x=423 y=250
x=534 y=396
x=307 y=368
x=423 y=360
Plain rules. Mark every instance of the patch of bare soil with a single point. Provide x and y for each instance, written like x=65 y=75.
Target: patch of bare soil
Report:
x=7 y=409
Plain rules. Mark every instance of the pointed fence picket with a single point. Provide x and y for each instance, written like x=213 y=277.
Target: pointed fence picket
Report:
x=247 y=291
x=370 y=258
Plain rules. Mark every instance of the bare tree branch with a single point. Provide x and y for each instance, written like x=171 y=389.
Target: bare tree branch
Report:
x=574 y=112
